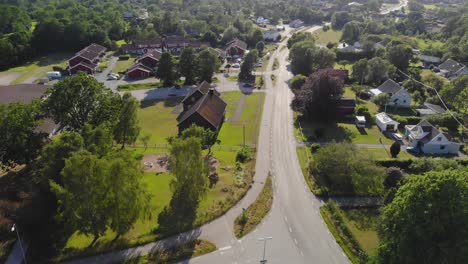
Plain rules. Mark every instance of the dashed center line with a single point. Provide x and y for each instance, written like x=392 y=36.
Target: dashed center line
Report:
x=225 y=248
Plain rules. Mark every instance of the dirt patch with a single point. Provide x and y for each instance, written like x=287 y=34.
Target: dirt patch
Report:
x=8 y=77
x=212 y=162
x=156 y=163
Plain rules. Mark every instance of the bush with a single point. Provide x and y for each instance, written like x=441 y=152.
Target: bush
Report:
x=445 y=120
x=124 y=57
x=319 y=132
x=243 y=155
x=394 y=176
x=314 y=147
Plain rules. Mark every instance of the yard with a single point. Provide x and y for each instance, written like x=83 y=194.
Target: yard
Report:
x=123 y=65
x=145 y=230
x=325 y=37
x=363 y=225
x=33 y=70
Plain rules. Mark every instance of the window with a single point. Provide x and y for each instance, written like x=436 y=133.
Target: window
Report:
x=439 y=139
x=442 y=147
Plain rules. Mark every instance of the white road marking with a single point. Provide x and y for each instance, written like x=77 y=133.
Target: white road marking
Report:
x=286 y=219
x=295 y=241
x=302 y=254
x=290 y=230
x=225 y=248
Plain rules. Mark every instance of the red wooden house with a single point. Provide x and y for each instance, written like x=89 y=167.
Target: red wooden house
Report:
x=87 y=59
x=236 y=48
x=139 y=71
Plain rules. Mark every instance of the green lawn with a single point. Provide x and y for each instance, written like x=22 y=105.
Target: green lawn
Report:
x=324 y=37
x=232 y=78
x=120 y=42
x=231 y=133
x=382 y=153
x=214 y=204
x=255 y=213
x=123 y=65
x=38 y=67
x=157 y=120
x=139 y=86
x=363 y=225
x=339 y=132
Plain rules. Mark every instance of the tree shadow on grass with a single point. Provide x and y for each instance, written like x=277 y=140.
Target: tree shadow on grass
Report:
x=170 y=102
x=323 y=132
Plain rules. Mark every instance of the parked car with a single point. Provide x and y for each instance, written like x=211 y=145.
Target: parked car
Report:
x=112 y=77
x=397 y=136
x=54 y=75
x=248 y=85
x=236 y=65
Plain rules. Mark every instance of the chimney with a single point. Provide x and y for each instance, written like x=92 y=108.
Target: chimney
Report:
x=211 y=91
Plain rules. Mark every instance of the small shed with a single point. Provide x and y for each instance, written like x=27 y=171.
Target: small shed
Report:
x=385 y=123
x=361 y=121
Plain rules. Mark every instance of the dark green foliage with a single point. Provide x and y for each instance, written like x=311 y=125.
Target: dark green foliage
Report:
x=248 y=66
x=315 y=147
x=207 y=65
x=395 y=149
x=297 y=81
x=167 y=69
x=20 y=142
x=339 y=19
x=307 y=58
x=188 y=65
x=426 y=221
x=394 y=176
x=243 y=155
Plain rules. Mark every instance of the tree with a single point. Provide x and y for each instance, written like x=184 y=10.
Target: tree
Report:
x=434 y=81
x=378 y=70
x=300 y=36
x=339 y=19
x=210 y=37
x=454 y=93
x=348 y=169
x=307 y=58
x=188 y=186
x=98 y=140
x=248 y=65
x=319 y=95
x=79 y=100
x=394 y=177
x=426 y=221
x=229 y=34
x=188 y=65
x=206 y=136
x=255 y=37
x=395 y=149
x=20 y=142
x=208 y=64
x=297 y=81
x=359 y=71
x=126 y=130
x=145 y=139
x=167 y=69
x=381 y=100
x=399 y=55
x=100 y=193
x=351 y=32
x=260 y=46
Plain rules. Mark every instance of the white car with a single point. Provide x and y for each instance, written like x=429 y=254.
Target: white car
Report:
x=112 y=77
x=236 y=65
x=397 y=136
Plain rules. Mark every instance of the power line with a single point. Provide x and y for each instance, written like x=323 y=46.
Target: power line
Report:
x=438 y=95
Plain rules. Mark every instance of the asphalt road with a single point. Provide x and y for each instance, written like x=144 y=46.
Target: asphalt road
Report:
x=298 y=232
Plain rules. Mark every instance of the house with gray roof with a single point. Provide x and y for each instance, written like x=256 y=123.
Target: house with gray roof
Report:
x=426 y=138
x=398 y=95
x=451 y=69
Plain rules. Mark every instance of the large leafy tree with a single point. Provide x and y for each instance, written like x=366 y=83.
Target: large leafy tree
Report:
x=207 y=65
x=319 y=95
x=79 y=100
x=20 y=142
x=248 y=65
x=307 y=58
x=378 y=70
x=188 y=65
x=351 y=32
x=126 y=130
x=167 y=71
x=426 y=221
x=399 y=55
x=98 y=193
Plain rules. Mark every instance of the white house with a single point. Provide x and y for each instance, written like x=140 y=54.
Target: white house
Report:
x=270 y=35
x=399 y=96
x=385 y=123
x=426 y=138
x=451 y=69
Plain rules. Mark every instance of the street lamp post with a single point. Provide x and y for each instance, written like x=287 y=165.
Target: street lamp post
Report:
x=264 y=239
x=13 y=229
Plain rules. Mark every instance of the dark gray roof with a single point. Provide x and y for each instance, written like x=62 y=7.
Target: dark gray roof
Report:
x=435 y=108
x=451 y=66
x=389 y=86
x=21 y=93
x=429 y=59
x=236 y=43
x=202 y=88
x=138 y=66
x=210 y=107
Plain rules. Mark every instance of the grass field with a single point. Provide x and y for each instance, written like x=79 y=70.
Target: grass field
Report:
x=231 y=133
x=123 y=65
x=363 y=224
x=38 y=67
x=255 y=213
x=324 y=37
x=139 y=86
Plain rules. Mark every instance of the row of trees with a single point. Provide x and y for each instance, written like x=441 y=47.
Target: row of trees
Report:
x=194 y=67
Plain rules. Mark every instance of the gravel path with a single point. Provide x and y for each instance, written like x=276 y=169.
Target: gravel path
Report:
x=240 y=106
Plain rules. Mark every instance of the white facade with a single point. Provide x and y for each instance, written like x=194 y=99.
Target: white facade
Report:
x=429 y=139
x=400 y=99
x=385 y=123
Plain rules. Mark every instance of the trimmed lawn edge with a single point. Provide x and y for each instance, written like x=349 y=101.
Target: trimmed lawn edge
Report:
x=331 y=215
x=254 y=214
x=189 y=250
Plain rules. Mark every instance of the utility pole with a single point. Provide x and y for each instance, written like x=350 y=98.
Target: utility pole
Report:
x=264 y=239
x=13 y=229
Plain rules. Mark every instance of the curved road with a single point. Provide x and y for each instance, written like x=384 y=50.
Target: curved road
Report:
x=298 y=232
